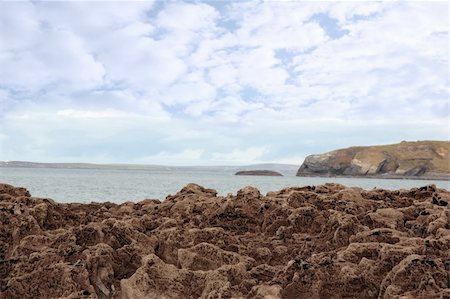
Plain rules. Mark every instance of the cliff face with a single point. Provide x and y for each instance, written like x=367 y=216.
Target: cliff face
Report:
x=324 y=241
x=405 y=159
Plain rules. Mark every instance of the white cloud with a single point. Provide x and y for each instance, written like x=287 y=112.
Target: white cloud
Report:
x=107 y=113
x=277 y=25
x=294 y=160
x=173 y=78
x=241 y=156
x=34 y=56
x=192 y=88
x=185 y=157
x=182 y=17
x=223 y=75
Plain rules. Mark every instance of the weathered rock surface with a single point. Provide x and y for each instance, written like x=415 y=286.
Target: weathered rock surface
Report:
x=258 y=172
x=324 y=241
x=424 y=159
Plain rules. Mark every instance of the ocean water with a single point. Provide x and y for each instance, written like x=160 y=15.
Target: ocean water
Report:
x=87 y=185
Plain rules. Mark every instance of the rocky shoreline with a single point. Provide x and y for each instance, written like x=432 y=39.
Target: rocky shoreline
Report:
x=404 y=160
x=380 y=176
x=325 y=241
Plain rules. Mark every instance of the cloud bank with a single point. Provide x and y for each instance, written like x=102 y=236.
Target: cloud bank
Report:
x=218 y=83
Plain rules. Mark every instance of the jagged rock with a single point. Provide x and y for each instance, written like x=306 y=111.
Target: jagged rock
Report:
x=325 y=241
x=248 y=193
x=206 y=257
x=12 y=191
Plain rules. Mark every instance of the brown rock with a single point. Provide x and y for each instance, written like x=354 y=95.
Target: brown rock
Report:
x=415 y=159
x=325 y=241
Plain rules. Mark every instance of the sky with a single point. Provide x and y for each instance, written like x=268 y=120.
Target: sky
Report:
x=218 y=83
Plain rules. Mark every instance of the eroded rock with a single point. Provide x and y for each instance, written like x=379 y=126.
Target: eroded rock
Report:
x=325 y=241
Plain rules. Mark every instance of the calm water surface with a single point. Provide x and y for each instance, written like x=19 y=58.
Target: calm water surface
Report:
x=86 y=185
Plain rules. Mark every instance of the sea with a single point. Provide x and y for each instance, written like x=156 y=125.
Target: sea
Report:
x=121 y=185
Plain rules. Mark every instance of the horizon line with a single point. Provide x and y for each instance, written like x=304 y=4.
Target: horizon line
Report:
x=157 y=165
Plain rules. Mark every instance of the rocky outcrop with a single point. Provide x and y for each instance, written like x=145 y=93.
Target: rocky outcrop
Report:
x=258 y=172
x=324 y=241
x=424 y=159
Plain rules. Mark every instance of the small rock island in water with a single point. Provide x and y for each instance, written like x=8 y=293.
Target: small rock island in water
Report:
x=259 y=172
x=327 y=241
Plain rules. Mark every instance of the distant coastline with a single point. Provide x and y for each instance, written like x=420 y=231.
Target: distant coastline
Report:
x=283 y=169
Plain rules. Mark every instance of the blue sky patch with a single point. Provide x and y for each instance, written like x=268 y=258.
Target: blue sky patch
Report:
x=330 y=25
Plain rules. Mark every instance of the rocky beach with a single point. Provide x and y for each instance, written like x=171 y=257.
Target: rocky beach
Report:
x=326 y=241
x=224 y=149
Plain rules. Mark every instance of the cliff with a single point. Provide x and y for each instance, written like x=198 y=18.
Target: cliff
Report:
x=421 y=159
x=324 y=241
x=258 y=172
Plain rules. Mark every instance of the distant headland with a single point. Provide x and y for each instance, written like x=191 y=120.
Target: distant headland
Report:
x=406 y=160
